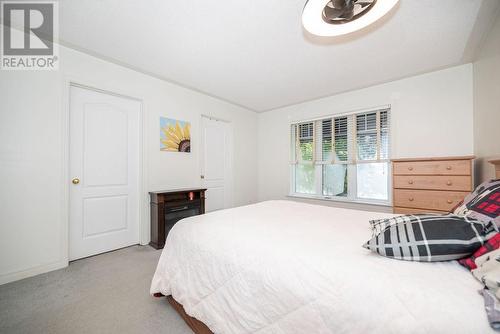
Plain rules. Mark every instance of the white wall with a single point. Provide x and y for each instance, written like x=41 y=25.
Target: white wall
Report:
x=487 y=104
x=431 y=116
x=33 y=216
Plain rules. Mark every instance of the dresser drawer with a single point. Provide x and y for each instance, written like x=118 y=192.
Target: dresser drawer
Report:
x=431 y=167
x=433 y=182
x=428 y=199
x=411 y=211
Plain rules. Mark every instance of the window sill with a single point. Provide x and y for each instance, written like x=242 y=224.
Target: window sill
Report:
x=338 y=199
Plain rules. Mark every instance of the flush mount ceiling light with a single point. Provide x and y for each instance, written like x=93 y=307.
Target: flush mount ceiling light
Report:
x=340 y=17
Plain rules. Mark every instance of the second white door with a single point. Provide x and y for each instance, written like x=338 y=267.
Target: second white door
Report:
x=216 y=171
x=104 y=172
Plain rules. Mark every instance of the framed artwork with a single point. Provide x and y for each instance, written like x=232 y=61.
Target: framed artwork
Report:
x=175 y=135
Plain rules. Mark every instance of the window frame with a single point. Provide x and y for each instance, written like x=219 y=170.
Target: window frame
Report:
x=352 y=161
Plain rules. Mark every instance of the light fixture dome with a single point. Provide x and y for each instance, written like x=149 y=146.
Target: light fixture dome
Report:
x=340 y=17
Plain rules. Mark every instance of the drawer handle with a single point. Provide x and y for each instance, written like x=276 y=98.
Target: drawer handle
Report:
x=449 y=201
x=410 y=168
x=410 y=182
x=411 y=199
x=448 y=167
x=449 y=183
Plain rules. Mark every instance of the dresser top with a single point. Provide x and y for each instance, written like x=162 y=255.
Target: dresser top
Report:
x=465 y=157
x=180 y=190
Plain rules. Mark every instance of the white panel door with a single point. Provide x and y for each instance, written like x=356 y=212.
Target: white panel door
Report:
x=104 y=172
x=216 y=163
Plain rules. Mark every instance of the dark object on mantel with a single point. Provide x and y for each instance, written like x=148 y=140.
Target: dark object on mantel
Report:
x=168 y=207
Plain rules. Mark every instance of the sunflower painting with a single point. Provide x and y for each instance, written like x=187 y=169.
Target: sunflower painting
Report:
x=175 y=135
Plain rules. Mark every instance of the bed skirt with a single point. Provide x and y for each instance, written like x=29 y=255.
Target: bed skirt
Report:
x=196 y=325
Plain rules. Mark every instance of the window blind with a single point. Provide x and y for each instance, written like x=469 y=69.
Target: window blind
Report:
x=305 y=142
x=327 y=141
x=341 y=139
x=358 y=137
x=366 y=136
x=384 y=135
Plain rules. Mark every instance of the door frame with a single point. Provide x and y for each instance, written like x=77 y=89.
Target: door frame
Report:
x=231 y=155
x=68 y=83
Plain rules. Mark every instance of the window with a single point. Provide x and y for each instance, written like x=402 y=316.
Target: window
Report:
x=304 y=173
x=344 y=157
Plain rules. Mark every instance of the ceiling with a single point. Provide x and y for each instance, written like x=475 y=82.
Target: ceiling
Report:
x=257 y=55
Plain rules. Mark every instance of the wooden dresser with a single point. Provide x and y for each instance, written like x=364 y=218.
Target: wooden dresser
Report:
x=496 y=163
x=430 y=184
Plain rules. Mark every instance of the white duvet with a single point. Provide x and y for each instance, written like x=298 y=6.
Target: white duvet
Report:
x=288 y=267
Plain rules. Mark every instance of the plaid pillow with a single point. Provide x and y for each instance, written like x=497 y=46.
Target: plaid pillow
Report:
x=378 y=225
x=482 y=204
x=490 y=245
x=429 y=237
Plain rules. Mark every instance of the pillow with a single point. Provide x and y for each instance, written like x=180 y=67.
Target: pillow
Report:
x=429 y=237
x=482 y=204
x=488 y=273
x=490 y=245
x=378 y=225
x=488 y=270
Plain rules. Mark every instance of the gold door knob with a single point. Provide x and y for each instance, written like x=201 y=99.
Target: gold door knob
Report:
x=75 y=180
x=449 y=201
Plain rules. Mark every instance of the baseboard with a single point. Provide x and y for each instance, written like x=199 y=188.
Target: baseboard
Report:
x=18 y=275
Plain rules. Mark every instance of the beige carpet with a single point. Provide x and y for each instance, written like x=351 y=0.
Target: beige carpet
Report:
x=108 y=293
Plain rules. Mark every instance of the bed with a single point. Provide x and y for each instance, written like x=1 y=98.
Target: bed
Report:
x=289 y=267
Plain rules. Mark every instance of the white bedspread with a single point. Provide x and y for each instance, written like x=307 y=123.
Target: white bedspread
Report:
x=288 y=267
